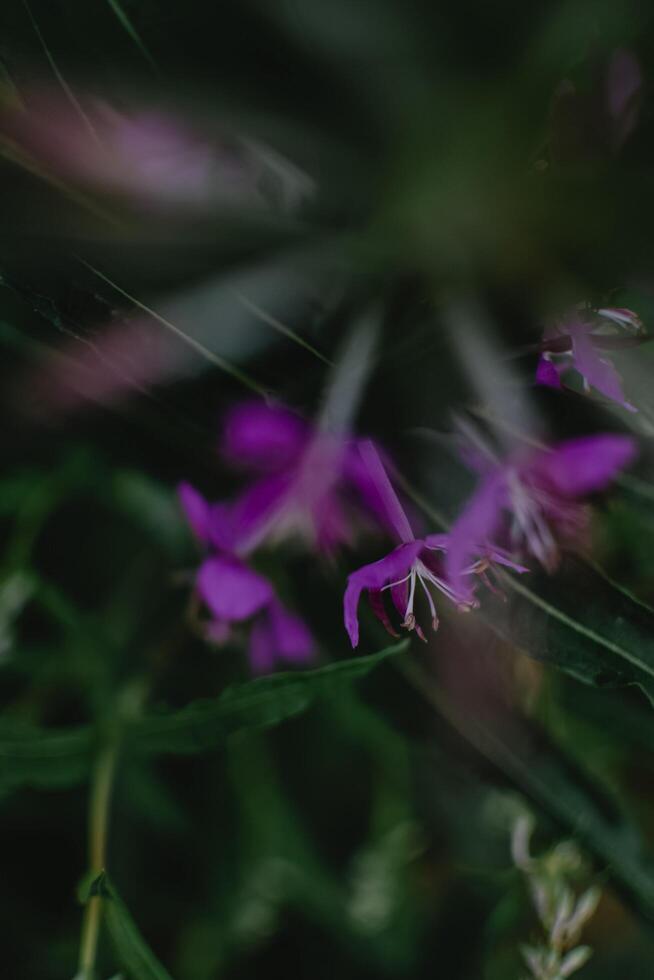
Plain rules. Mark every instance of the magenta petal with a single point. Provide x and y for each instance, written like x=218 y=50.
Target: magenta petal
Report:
x=475 y=528
x=376 y=600
x=258 y=508
x=599 y=373
x=263 y=437
x=223 y=530
x=400 y=596
x=547 y=374
x=389 y=501
x=231 y=590
x=331 y=523
x=279 y=635
x=196 y=509
x=580 y=466
x=293 y=638
x=375 y=576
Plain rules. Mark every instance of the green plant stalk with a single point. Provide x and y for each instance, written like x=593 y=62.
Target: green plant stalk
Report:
x=100 y=802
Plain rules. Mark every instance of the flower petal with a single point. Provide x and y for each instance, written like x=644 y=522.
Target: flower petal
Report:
x=256 y=512
x=375 y=576
x=599 y=373
x=388 y=500
x=263 y=437
x=231 y=590
x=293 y=638
x=279 y=635
x=475 y=528
x=547 y=374
x=581 y=466
x=376 y=600
x=196 y=510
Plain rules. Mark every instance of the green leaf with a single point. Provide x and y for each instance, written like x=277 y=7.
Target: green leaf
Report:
x=40 y=758
x=129 y=27
x=552 y=779
x=131 y=949
x=256 y=704
x=582 y=623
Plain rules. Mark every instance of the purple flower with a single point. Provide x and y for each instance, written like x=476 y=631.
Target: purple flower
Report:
x=575 y=342
x=151 y=156
x=309 y=481
x=533 y=500
x=415 y=562
x=234 y=593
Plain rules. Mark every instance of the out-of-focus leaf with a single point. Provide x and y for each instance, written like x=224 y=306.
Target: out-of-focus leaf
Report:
x=553 y=780
x=130 y=947
x=154 y=507
x=37 y=757
x=582 y=623
x=256 y=704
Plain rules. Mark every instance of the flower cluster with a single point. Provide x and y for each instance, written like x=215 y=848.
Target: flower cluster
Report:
x=309 y=483
x=306 y=484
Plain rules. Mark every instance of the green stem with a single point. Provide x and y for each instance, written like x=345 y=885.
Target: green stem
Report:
x=100 y=801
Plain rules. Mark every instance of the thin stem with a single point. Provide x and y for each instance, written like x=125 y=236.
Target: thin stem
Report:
x=101 y=791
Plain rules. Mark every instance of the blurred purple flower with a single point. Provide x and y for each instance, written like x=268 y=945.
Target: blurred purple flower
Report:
x=414 y=561
x=234 y=593
x=150 y=155
x=574 y=344
x=310 y=482
x=532 y=502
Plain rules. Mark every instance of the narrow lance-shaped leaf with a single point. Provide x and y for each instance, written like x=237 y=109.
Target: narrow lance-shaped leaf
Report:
x=41 y=758
x=256 y=704
x=133 y=953
x=580 y=622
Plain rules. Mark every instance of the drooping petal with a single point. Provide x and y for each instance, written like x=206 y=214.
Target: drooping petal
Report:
x=293 y=638
x=388 y=499
x=598 y=372
x=387 y=570
x=476 y=527
x=279 y=635
x=196 y=510
x=400 y=596
x=547 y=373
x=264 y=437
x=581 y=466
x=231 y=590
x=376 y=600
x=357 y=476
